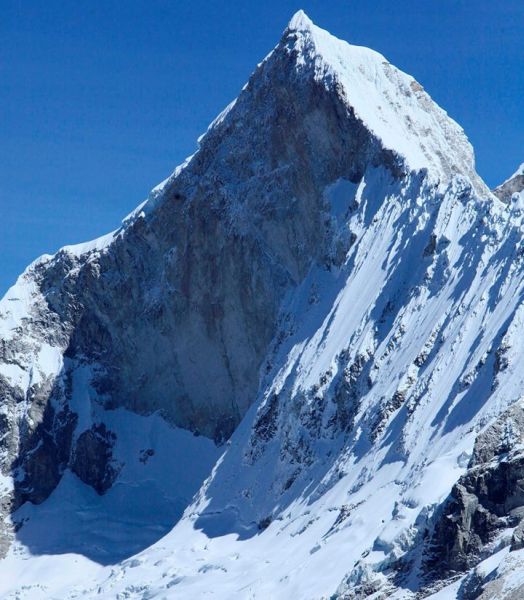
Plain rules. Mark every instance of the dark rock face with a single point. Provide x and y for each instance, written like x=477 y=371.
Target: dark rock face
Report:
x=266 y=424
x=48 y=447
x=488 y=498
x=45 y=452
x=471 y=516
x=92 y=459
x=484 y=501
x=500 y=437
x=187 y=327
x=513 y=186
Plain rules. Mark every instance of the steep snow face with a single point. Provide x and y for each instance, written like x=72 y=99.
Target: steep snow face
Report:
x=383 y=373
x=329 y=271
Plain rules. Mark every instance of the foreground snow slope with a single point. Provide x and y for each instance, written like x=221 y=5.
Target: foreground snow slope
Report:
x=327 y=276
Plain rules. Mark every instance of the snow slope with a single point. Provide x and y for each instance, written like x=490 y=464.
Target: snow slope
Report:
x=300 y=508
x=397 y=340
x=77 y=535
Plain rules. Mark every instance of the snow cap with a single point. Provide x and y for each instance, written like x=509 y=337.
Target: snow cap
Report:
x=300 y=22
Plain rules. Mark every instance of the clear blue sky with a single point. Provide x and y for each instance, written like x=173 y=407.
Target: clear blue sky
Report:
x=100 y=100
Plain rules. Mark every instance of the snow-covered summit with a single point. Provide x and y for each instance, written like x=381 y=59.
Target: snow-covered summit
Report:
x=300 y=22
x=392 y=104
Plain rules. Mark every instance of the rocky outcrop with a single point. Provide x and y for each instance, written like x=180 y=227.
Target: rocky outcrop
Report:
x=512 y=187
x=92 y=459
x=497 y=440
x=485 y=501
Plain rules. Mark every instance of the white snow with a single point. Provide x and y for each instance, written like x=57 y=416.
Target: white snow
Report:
x=96 y=245
x=76 y=536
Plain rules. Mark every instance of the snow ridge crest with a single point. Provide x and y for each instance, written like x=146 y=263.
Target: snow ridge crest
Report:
x=300 y=22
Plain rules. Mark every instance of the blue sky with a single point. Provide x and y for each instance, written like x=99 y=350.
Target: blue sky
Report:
x=100 y=100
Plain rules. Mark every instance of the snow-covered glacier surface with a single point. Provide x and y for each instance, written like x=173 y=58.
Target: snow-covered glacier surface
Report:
x=295 y=371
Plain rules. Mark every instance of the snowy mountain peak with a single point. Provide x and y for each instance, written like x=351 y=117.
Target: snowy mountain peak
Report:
x=391 y=104
x=300 y=22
